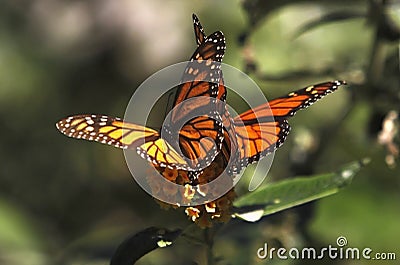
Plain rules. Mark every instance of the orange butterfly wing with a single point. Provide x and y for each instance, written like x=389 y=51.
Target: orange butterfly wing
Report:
x=199 y=33
x=263 y=129
x=197 y=137
x=229 y=145
x=116 y=132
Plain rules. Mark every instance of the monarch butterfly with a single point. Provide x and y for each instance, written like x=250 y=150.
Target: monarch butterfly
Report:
x=197 y=137
x=256 y=132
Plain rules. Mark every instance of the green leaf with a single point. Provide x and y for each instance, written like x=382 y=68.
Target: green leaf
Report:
x=285 y=194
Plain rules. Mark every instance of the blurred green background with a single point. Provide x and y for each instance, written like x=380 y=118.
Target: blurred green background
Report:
x=65 y=201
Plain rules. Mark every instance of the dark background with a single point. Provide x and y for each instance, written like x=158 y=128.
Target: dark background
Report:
x=65 y=201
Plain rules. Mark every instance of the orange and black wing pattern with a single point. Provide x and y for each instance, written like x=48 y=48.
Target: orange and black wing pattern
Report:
x=201 y=77
x=200 y=138
x=229 y=147
x=199 y=33
x=287 y=106
x=116 y=132
x=263 y=129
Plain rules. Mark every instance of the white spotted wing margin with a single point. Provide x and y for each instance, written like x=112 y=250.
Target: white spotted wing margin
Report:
x=117 y=133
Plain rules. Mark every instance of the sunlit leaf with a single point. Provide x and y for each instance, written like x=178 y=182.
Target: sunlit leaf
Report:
x=285 y=194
